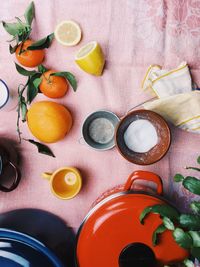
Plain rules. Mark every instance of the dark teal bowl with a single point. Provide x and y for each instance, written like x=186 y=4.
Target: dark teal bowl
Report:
x=98 y=129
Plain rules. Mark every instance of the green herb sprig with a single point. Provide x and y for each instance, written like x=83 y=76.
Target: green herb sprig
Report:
x=185 y=227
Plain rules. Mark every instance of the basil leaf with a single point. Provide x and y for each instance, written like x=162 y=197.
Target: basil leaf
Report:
x=43 y=43
x=30 y=13
x=163 y=210
x=192 y=184
x=12 y=49
x=178 y=178
x=33 y=85
x=69 y=77
x=43 y=149
x=183 y=239
x=13 y=28
x=196 y=253
x=168 y=223
x=195 y=237
x=198 y=159
x=23 y=107
x=42 y=68
x=23 y=71
x=188 y=263
x=195 y=206
x=190 y=221
x=159 y=230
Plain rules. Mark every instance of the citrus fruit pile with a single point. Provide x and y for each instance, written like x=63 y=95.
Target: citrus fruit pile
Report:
x=48 y=121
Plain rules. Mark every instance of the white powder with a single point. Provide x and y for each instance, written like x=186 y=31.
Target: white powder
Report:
x=140 y=136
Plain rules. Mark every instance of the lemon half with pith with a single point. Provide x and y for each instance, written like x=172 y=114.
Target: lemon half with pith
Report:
x=90 y=58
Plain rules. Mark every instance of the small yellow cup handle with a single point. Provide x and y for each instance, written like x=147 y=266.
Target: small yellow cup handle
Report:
x=46 y=175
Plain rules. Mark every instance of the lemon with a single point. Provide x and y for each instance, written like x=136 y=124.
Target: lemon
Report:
x=90 y=58
x=68 y=33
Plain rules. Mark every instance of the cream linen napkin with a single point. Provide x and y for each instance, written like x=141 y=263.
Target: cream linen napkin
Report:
x=164 y=82
x=176 y=101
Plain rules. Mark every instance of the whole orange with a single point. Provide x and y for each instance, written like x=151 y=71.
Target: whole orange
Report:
x=53 y=86
x=29 y=58
x=49 y=121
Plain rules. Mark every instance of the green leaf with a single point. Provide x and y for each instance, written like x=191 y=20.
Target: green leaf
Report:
x=183 y=239
x=43 y=43
x=198 y=159
x=168 y=223
x=159 y=230
x=42 y=68
x=196 y=253
x=23 y=71
x=23 y=108
x=163 y=210
x=30 y=13
x=33 y=85
x=43 y=149
x=195 y=206
x=69 y=77
x=37 y=82
x=192 y=184
x=190 y=221
x=12 y=49
x=195 y=237
x=188 y=263
x=178 y=178
x=13 y=28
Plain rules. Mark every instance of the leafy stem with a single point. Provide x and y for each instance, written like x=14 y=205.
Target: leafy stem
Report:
x=19 y=107
x=193 y=168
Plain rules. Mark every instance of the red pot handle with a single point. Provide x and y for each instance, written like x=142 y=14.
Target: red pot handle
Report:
x=144 y=175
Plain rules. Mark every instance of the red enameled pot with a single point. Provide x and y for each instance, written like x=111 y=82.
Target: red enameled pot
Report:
x=111 y=235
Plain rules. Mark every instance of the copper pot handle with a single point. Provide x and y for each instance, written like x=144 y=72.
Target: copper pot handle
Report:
x=16 y=180
x=144 y=175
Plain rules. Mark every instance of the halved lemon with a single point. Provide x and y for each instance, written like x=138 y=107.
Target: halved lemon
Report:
x=90 y=58
x=68 y=33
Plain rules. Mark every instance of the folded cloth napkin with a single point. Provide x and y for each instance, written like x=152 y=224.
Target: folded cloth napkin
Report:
x=164 y=82
x=176 y=101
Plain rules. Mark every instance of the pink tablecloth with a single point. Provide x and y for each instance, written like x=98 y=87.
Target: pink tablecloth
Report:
x=133 y=34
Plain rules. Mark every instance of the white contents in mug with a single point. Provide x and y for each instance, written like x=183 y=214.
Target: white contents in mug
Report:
x=140 y=136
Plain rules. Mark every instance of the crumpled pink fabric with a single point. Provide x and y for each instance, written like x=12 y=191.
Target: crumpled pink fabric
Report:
x=133 y=35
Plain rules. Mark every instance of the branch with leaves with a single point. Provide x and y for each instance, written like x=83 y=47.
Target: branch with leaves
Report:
x=185 y=227
x=32 y=89
x=21 y=30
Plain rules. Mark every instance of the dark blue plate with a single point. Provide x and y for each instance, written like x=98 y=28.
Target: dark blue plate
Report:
x=20 y=250
x=47 y=228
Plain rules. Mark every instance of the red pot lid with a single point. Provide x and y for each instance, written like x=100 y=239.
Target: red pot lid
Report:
x=112 y=235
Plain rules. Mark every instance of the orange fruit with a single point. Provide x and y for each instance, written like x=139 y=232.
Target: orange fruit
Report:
x=29 y=58
x=48 y=121
x=53 y=86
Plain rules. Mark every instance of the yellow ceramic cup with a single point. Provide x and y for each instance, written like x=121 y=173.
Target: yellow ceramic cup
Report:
x=90 y=58
x=65 y=182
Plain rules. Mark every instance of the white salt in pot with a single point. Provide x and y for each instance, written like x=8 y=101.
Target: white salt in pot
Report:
x=158 y=151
